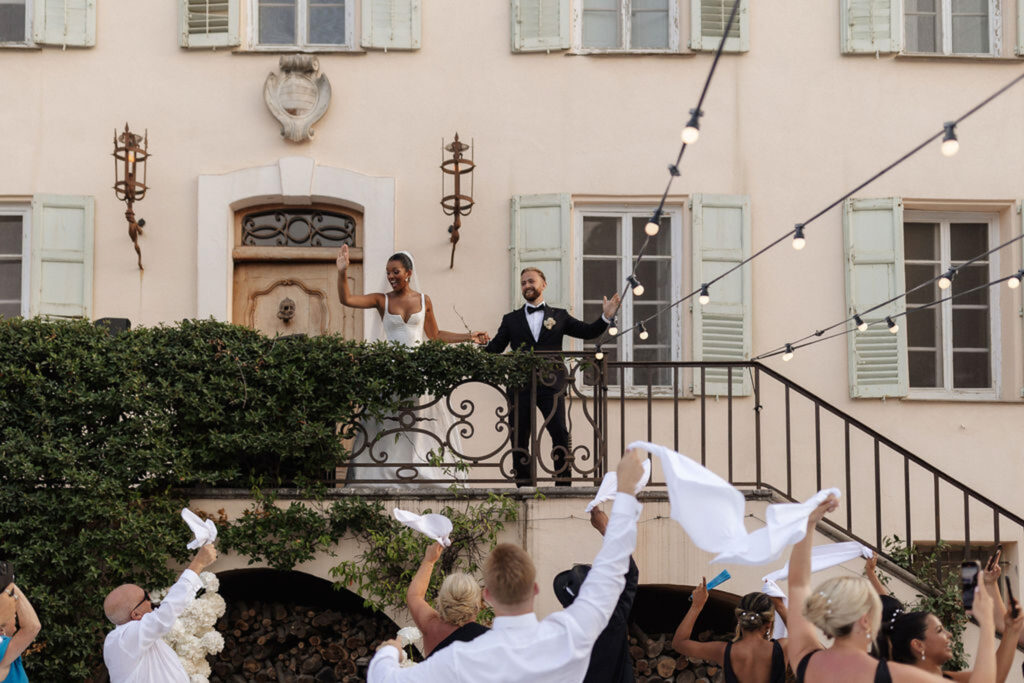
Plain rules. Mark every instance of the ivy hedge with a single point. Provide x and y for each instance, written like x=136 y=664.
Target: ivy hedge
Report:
x=100 y=435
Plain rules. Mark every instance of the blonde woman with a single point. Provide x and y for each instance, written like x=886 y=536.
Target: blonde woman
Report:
x=751 y=657
x=848 y=610
x=458 y=603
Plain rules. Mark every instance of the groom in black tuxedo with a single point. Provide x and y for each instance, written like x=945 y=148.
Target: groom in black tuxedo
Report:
x=539 y=327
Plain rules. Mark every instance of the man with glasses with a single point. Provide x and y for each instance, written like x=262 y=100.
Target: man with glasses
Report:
x=134 y=651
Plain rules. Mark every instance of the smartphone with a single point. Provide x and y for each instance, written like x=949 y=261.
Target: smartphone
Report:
x=969 y=581
x=1009 y=594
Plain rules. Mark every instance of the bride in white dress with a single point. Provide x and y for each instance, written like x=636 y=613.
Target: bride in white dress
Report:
x=407 y=317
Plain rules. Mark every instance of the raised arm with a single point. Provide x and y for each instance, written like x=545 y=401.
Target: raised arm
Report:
x=990 y=576
x=423 y=614
x=1008 y=645
x=581 y=330
x=681 y=641
x=803 y=637
x=28 y=631
x=870 y=567
x=430 y=328
x=349 y=299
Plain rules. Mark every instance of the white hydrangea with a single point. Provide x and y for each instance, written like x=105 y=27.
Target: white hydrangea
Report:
x=193 y=636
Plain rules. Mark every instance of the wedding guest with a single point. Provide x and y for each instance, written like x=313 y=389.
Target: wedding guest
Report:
x=539 y=327
x=520 y=647
x=610 y=660
x=135 y=651
x=458 y=603
x=752 y=655
x=19 y=626
x=848 y=610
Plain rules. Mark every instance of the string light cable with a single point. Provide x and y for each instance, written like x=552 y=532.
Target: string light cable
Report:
x=858 y=317
x=799 y=229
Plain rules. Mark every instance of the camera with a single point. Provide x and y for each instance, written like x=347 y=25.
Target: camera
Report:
x=969 y=581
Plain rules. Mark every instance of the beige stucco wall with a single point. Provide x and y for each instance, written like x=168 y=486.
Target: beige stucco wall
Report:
x=793 y=124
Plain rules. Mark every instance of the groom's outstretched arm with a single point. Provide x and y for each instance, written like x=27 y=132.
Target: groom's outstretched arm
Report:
x=501 y=339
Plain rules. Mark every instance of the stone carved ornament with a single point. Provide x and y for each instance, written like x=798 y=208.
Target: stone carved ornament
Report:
x=299 y=97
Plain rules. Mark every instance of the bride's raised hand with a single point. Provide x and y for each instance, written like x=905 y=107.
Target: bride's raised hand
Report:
x=343 y=259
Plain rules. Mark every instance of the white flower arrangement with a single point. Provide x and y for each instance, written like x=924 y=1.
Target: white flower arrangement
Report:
x=410 y=636
x=193 y=637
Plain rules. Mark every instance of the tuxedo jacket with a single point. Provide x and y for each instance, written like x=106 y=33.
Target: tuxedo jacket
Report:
x=557 y=324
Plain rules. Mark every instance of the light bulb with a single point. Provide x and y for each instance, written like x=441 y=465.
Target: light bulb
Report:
x=704 y=297
x=131 y=157
x=613 y=329
x=652 y=228
x=599 y=354
x=1014 y=281
x=861 y=325
x=947 y=279
x=638 y=289
x=950 y=145
x=788 y=355
x=643 y=331
x=690 y=134
x=893 y=327
x=798 y=237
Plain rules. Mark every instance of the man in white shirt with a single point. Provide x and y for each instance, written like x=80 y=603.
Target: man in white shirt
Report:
x=519 y=647
x=134 y=651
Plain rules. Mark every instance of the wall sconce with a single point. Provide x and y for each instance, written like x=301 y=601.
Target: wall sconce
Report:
x=456 y=204
x=130 y=154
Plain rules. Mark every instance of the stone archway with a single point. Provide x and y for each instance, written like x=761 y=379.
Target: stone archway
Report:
x=292 y=626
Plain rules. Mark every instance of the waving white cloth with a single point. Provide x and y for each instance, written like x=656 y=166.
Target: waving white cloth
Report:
x=610 y=484
x=822 y=557
x=437 y=527
x=205 y=531
x=711 y=511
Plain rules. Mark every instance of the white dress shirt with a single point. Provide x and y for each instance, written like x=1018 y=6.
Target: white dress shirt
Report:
x=136 y=653
x=535 y=319
x=521 y=648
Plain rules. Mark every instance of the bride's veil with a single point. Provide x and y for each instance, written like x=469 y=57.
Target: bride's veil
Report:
x=376 y=328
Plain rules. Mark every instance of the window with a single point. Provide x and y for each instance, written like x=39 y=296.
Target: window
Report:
x=627 y=25
x=14 y=241
x=15 y=24
x=303 y=23
x=610 y=238
x=949 y=27
x=949 y=346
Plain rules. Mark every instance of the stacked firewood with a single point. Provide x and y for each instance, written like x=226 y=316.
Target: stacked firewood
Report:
x=654 y=660
x=271 y=642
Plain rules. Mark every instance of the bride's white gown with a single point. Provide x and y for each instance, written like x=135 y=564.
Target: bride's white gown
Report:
x=405 y=455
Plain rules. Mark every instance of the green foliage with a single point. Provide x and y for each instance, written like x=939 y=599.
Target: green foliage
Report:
x=100 y=434
x=945 y=601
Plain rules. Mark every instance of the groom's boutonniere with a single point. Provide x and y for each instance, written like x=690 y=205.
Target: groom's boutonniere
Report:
x=549 y=323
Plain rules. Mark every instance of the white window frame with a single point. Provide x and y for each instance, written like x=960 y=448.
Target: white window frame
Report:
x=626 y=212
x=253 y=31
x=25 y=212
x=947 y=391
x=946 y=27
x=27 y=42
x=624 y=8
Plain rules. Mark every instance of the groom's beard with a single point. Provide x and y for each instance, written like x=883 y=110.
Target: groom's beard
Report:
x=531 y=294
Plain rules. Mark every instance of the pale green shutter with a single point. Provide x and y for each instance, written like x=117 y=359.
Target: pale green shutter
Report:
x=707 y=25
x=208 y=23
x=721 y=328
x=391 y=24
x=540 y=238
x=873 y=244
x=540 y=25
x=870 y=26
x=1020 y=28
x=62 y=243
x=68 y=23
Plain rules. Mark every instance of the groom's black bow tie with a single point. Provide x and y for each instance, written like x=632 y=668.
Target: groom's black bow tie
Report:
x=533 y=309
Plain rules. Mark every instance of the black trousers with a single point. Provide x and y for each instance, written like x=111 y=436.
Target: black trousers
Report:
x=548 y=401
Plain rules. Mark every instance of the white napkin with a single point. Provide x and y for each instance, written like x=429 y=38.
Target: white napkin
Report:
x=610 y=485
x=822 y=557
x=437 y=527
x=711 y=511
x=204 y=531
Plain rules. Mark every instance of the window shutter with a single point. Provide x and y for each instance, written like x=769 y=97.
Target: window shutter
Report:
x=1020 y=28
x=68 y=23
x=208 y=23
x=62 y=241
x=707 y=25
x=540 y=237
x=871 y=26
x=391 y=24
x=721 y=328
x=873 y=244
x=540 y=25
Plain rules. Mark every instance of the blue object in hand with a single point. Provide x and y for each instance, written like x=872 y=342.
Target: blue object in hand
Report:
x=722 y=577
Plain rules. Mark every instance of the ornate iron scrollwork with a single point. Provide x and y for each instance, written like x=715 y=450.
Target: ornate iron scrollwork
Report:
x=298 y=228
